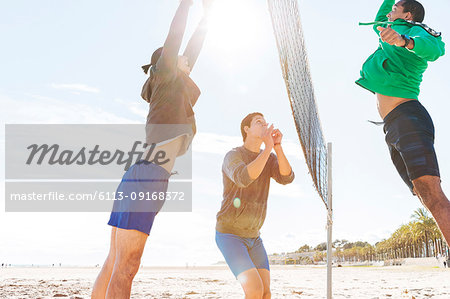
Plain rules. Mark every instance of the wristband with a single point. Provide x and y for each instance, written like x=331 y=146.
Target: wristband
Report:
x=407 y=40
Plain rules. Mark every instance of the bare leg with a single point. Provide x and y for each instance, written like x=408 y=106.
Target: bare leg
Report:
x=102 y=281
x=129 y=248
x=252 y=284
x=111 y=282
x=265 y=278
x=429 y=190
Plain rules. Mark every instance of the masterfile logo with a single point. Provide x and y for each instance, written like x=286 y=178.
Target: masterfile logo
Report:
x=53 y=154
x=79 y=167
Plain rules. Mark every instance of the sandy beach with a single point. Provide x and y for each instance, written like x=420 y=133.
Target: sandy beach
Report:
x=218 y=282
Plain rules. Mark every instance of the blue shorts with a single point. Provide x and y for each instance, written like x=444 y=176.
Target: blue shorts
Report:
x=242 y=254
x=410 y=137
x=137 y=209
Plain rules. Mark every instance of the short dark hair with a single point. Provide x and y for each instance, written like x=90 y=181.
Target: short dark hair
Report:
x=247 y=121
x=415 y=8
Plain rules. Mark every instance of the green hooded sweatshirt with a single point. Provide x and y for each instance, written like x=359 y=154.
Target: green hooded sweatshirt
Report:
x=396 y=71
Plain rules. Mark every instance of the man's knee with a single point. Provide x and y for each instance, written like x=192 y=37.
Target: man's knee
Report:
x=428 y=188
x=110 y=260
x=128 y=263
x=267 y=293
x=256 y=291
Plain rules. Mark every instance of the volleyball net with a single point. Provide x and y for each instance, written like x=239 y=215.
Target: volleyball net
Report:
x=296 y=73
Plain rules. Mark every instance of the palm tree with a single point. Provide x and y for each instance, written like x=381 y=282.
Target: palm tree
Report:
x=425 y=224
x=415 y=238
x=421 y=237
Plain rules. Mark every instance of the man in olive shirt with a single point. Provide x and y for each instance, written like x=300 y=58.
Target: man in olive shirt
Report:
x=394 y=73
x=246 y=178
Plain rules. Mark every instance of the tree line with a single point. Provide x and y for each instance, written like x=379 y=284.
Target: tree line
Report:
x=420 y=237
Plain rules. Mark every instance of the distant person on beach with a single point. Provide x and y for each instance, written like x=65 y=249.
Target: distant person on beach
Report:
x=171 y=94
x=246 y=172
x=394 y=73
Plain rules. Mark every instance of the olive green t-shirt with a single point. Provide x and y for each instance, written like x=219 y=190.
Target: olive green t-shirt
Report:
x=246 y=218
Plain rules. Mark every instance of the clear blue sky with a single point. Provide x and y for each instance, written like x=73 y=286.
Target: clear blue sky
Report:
x=79 y=62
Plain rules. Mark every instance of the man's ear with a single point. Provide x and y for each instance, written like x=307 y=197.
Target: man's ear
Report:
x=246 y=129
x=409 y=16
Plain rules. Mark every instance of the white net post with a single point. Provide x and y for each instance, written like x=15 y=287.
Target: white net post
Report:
x=329 y=224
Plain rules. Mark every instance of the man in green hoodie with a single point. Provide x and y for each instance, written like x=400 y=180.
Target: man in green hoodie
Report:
x=394 y=73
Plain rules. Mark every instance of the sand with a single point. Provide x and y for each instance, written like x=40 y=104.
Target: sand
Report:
x=218 y=282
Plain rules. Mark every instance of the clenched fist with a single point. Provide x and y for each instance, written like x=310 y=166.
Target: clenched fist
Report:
x=391 y=36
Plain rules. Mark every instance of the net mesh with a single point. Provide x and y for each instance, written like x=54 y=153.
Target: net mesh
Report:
x=296 y=73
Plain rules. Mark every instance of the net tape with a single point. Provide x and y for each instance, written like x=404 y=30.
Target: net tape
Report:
x=296 y=73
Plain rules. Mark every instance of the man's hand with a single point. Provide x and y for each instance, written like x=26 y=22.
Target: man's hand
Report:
x=391 y=36
x=277 y=136
x=267 y=137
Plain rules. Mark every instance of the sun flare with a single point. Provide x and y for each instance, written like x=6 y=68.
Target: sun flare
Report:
x=234 y=25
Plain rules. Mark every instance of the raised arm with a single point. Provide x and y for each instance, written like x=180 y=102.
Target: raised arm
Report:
x=195 y=44
x=422 y=43
x=257 y=166
x=240 y=173
x=236 y=170
x=244 y=174
x=281 y=170
x=425 y=45
x=169 y=55
x=385 y=8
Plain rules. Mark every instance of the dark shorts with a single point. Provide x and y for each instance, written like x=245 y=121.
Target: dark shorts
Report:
x=410 y=137
x=136 y=209
x=242 y=254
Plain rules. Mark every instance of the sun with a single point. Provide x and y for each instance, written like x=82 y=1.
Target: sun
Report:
x=235 y=25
